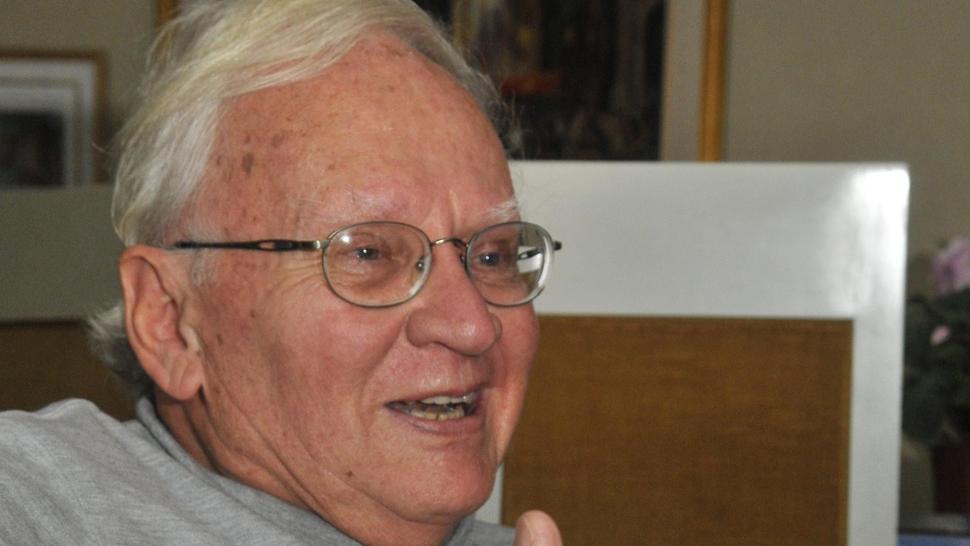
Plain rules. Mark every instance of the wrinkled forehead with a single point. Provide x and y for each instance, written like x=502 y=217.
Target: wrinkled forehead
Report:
x=369 y=136
x=385 y=205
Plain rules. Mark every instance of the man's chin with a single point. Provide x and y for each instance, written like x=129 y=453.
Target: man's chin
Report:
x=434 y=476
x=448 y=497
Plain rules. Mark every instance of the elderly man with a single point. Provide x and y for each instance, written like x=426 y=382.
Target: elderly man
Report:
x=326 y=298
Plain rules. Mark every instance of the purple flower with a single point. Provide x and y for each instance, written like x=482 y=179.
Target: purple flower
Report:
x=940 y=334
x=951 y=267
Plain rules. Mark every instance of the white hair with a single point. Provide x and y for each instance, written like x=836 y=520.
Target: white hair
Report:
x=216 y=50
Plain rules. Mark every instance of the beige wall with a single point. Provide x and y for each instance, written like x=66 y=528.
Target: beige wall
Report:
x=859 y=80
x=59 y=254
x=120 y=29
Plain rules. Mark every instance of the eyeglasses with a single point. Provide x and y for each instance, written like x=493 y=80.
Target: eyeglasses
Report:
x=380 y=264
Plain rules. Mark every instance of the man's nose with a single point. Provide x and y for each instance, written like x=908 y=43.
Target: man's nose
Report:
x=450 y=311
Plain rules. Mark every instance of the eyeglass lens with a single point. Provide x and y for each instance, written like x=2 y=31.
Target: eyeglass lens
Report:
x=379 y=264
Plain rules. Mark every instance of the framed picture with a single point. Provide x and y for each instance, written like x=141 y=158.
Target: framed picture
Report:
x=620 y=80
x=51 y=107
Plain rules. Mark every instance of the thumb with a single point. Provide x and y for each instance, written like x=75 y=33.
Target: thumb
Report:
x=535 y=528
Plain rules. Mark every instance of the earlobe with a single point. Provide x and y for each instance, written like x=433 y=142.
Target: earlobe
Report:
x=166 y=346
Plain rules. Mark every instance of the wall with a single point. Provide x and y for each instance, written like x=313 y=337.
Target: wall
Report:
x=58 y=254
x=859 y=80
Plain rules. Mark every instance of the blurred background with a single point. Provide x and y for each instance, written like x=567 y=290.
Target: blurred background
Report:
x=821 y=81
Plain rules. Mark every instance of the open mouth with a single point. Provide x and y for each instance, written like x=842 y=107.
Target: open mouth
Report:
x=439 y=408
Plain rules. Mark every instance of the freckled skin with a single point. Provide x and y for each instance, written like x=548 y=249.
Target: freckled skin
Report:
x=294 y=401
x=247 y=163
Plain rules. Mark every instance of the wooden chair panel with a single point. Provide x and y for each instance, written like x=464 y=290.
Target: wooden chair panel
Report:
x=686 y=431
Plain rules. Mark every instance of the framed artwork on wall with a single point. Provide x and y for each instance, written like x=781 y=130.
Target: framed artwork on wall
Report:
x=612 y=79
x=51 y=118
x=583 y=79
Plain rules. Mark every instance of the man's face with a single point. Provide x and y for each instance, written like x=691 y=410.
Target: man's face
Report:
x=299 y=385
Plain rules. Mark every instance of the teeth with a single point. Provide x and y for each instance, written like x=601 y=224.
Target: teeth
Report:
x=438 y=408
x=443 y=400
x=457 y=412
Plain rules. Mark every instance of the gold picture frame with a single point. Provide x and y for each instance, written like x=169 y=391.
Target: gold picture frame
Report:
x=712 y=86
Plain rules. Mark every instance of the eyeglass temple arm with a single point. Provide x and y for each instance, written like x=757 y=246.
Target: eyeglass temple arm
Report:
x=266 y=245
x=285 y=245
x=556 y=245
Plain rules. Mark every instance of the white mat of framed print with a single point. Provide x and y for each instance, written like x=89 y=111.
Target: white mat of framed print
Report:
x=50 y=109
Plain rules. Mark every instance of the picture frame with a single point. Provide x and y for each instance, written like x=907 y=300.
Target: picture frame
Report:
x=694 y=80
x=52 y=105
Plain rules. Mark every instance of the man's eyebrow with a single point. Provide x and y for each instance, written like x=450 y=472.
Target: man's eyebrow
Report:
x=310 y=212
x=371 y=207
x=506 y=211
x=365 y=206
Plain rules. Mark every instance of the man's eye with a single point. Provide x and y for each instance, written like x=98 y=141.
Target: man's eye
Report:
x=496 y=260
x=367 y=254
x=492 y=259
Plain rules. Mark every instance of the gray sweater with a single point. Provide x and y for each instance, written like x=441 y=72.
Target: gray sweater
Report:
x=69 y=474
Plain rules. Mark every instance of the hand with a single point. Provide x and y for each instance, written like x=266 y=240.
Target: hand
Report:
x=535 y=528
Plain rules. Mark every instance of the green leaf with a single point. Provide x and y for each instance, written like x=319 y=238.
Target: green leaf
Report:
x=924 y=409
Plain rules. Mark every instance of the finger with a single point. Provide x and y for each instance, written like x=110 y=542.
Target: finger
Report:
x=536 y=528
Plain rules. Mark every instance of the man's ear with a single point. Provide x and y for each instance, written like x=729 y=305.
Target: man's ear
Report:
x=155 y=290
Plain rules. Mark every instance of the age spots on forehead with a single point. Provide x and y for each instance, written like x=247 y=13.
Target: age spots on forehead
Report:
x=247 y=163
x=248 y=160
x=277 y=140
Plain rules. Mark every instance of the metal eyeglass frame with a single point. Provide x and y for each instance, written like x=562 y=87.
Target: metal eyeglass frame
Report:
x=289 y=245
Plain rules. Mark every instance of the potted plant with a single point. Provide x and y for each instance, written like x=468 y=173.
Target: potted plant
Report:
x=936 y=396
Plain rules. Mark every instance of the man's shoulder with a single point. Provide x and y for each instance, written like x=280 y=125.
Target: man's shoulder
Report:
x=64 y=438
x=66 y=425
x=53 y=461
x=64 y=410
x=72 y=475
